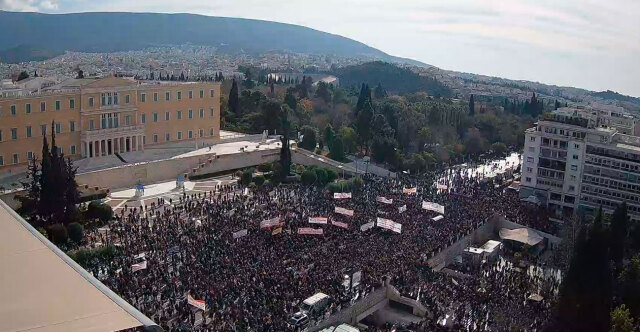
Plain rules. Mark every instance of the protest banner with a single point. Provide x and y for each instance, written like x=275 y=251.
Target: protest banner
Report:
x=139 y=266
x=309 y=231
x=240 y=234
x=384 y=200
x=410 y=191
x=430 y=206
x=341 y=195
x=318 y=220
x=344 y=211
x=340 y=224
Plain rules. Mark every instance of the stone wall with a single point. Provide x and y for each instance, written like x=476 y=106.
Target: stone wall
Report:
x=487 y=231
x=163 y=170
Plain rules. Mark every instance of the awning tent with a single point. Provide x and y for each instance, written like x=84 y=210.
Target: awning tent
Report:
x=532 y=199
x=522 y=235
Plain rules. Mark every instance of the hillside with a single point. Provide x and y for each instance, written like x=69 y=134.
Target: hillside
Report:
x=110 y=32
x=393 y=79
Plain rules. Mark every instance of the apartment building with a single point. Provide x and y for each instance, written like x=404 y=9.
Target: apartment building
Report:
x=99 y=117
x=572 y=161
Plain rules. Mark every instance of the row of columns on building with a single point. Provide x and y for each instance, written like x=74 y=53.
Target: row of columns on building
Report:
x=106 y=147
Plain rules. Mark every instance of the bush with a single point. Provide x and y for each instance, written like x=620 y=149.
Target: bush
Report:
x=265 y=168
x=75 y=231
x=58 y=234
x=42 y=231
x=333 y=187
x=308 y=177
x=258 y=180
x=332 y=175
x=321 y=174
x=246 y=178
x=85 y=256
x=238 y=174
x=358 y=183
x=99 y=210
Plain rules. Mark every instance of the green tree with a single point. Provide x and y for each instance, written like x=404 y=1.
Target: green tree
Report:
x=472 y=106
x=621 y=320
x=57 y=233
x=75 y=231
x=499 y=148
x=233 y=98
x=23 y=75
x=309 y=138
x=332 y=175
x=100 y=211
x=290 y=99
x=349 y=139
x=258 y=180
x=322 y=176
x=337 y=149
x=329 y=136
x=246 y=178
x=285 y=149
x=586 y=294
x=630 y=285
x=379 y=92
x=322 y=91
x=618 y=234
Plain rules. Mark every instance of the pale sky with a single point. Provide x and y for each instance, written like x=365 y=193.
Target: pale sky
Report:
x=592 y=44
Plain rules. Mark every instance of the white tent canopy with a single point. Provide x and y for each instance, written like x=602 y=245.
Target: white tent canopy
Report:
x=522 y=235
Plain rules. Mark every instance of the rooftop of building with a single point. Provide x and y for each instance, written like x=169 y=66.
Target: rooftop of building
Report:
x=77 y=84
x=42 y=289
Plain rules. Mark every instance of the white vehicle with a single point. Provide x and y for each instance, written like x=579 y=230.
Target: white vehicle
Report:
x=341 y=328
x=315 y=305
x=299 y=320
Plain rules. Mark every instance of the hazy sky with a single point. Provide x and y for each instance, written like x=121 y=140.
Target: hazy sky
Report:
x=593 y=44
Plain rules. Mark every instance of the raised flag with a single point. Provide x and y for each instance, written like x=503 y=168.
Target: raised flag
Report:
x=384 y=200
x=340 y=224
x=200 y=304
x=318 y=220
x=410 y=191
x=344 y=211
x=402 y=208
x=139 y=266
x=367 y=226
x=430 y=206
x=277 y=231
x=341 y=195
x=309 y=231
x=240 y=234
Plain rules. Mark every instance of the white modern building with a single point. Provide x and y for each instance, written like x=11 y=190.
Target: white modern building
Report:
x=581 y=159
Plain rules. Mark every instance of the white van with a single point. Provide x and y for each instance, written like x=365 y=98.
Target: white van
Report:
x=315 y=305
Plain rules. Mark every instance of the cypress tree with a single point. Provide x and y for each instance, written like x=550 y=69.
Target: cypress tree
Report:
x=472 y=106
x=233 y=98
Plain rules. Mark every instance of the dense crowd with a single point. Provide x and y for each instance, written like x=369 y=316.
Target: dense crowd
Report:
x=256 y=281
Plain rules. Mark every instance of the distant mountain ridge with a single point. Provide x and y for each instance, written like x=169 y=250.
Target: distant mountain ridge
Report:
x=40 y=34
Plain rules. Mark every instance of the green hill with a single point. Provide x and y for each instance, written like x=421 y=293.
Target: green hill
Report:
x=393 y=79
x=51 y=34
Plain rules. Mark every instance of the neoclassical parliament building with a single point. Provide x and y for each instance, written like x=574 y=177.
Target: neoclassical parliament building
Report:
x=100 y=117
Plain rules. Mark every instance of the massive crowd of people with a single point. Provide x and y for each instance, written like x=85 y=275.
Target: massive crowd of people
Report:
x=254 y=282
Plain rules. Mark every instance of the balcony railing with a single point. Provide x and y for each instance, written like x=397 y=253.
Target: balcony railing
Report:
x=114 y=132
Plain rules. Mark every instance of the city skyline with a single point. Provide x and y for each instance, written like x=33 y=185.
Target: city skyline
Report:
x=587 y=45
